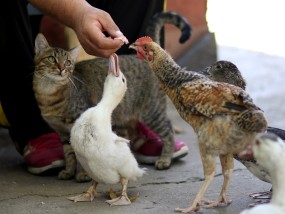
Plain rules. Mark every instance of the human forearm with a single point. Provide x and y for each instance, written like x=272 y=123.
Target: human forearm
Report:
x=88 y=22
x=65 y=11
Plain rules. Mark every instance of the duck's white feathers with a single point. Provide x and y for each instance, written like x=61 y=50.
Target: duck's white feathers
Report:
x=105 y=156
x=264 y=209
x=269 y=151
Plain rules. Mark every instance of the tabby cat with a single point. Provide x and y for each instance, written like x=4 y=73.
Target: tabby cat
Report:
x=64 y=90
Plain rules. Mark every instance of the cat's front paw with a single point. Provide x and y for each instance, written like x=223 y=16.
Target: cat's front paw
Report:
x=82 y=177
x=65 y=175
x=163 y=163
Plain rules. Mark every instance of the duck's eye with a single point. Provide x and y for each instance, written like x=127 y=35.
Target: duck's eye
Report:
x=51 y=59
x=67 y=62
x=218 y=67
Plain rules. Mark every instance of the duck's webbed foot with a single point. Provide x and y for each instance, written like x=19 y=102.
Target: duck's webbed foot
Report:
x=123 y=199
x=120 y=201
x=86 y=196
x=89 y=195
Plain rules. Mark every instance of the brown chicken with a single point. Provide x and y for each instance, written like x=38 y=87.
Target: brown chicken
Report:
x=223 y=116
x=226 y=71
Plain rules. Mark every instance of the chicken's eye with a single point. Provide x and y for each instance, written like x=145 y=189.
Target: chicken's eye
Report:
x=51 y=59
x=218 y=67
x=123 y=80
x=144 y=47
x=67 y=62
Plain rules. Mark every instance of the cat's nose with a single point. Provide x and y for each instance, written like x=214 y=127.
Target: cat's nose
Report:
x=61 y=66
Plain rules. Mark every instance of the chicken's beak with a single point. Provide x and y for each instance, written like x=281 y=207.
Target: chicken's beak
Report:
x=205 y=71
x=133 y=46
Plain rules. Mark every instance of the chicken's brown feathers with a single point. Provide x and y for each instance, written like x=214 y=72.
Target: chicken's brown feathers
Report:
x=212 y=98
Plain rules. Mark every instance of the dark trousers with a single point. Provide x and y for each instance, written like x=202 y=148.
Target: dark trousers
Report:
x=17 y=52
x=17 y=66
x=131 y=16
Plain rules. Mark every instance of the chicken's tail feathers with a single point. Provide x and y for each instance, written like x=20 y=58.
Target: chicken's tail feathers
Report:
x=252 y=121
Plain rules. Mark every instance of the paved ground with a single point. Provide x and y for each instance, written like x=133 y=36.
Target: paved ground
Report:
x=159 y=191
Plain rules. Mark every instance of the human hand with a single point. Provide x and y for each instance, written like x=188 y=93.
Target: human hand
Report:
x=88 y=22
x=90 y=25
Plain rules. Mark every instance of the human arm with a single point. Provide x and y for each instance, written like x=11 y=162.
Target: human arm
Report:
x=88 y=22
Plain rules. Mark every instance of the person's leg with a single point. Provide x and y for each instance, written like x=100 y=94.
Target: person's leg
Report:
x=17 y=66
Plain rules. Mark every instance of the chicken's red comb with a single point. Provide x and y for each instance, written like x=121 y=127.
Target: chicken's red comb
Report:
x=144 y=39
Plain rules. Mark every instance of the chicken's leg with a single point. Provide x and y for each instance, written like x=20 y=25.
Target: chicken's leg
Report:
x=89 y=195
x=123 y=199
x=227 y=163
x=209 y=166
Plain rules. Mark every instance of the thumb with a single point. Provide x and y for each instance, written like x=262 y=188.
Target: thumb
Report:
x=119 y=35
x=113 y=30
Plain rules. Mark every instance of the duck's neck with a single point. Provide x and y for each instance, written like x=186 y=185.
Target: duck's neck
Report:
x=278 y=186
x=107 y=105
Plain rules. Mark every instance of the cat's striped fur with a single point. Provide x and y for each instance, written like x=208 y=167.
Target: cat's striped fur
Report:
x=64 y=90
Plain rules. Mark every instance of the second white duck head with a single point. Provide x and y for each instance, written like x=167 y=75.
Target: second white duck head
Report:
x=269 y=152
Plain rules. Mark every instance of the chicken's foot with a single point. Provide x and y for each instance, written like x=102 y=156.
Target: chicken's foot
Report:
x=209 y=171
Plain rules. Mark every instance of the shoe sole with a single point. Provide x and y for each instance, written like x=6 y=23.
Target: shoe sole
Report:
x=53 y=165
x=152 y=159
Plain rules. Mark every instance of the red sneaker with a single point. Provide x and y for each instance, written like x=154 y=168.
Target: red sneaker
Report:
x=44 y=153
x=148 y=146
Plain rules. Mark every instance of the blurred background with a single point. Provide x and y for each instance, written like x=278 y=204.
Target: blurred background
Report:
x=249 y=33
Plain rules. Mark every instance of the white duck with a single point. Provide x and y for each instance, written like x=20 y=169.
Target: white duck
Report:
x=269 y=151
x=105 y=156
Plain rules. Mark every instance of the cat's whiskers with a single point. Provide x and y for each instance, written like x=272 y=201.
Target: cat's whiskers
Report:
x=79 y=80
x=44 y=76
x=73 y=83
x=29 y=75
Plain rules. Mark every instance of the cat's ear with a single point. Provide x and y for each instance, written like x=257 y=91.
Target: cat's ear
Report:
x=74 y=52
x=40 y=44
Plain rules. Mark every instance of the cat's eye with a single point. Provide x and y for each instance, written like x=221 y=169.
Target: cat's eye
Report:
x=51 y=59
x=67 y=62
